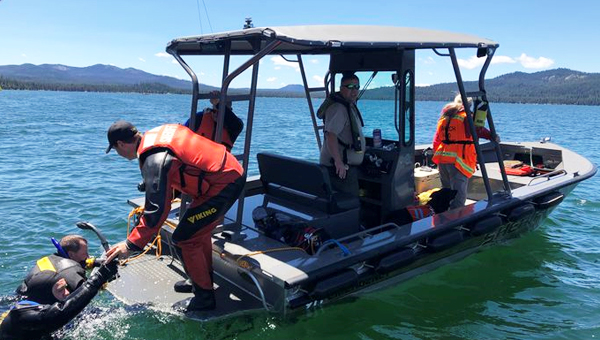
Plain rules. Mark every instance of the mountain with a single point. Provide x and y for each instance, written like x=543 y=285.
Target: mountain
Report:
x=558 y=86
x=92 y=75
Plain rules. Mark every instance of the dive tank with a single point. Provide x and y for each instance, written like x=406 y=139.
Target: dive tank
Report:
x=481 y=114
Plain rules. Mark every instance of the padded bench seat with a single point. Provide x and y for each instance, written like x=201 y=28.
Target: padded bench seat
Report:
x=305 y=187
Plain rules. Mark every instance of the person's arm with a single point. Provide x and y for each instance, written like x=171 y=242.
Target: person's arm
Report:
x=336 y=118
x=49 y=318
x=157 y=205
x=332 y=144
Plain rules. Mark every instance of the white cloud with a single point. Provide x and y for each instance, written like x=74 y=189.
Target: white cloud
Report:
x=531 y=62
x=525 y=61
x=318 y=79
x=277 y=68
x=502 y=59
x=163 y=55
x=279 y=61
x=174 y=62
x=471 y=63
x=271 y=79
x=314 y=61
x=283 y=84
x=141 y=59
x=24 y=55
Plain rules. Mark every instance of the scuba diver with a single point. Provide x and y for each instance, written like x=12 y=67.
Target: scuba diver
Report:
x=49 y=295
x=34 y=320
x=69 y=262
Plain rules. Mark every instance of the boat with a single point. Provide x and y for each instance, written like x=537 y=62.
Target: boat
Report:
x=348 y=245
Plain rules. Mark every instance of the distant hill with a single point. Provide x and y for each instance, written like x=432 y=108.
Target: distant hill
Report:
x=558 y=86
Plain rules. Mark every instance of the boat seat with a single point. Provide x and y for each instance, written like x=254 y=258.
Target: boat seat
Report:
x=305 y=187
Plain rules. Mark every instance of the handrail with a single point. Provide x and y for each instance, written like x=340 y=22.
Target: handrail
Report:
x=549 y=175
x=262 y=294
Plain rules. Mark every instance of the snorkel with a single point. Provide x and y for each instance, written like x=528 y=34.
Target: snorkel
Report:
x=60 y=249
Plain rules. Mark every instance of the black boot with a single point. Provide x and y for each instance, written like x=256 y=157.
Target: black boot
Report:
x=183 y=286
x=203 y=300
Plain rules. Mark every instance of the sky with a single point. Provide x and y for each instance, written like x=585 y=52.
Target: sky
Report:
x=534 y=35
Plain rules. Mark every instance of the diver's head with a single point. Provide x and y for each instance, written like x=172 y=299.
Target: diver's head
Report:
x=76 y=247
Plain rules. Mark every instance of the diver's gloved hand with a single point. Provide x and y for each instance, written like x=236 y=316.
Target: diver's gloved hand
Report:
x=106 y=272
x=91 y=262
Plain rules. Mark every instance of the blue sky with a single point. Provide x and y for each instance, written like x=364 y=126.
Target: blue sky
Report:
x=534 y=35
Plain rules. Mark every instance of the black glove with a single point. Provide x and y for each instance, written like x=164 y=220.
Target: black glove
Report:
x=106 y=272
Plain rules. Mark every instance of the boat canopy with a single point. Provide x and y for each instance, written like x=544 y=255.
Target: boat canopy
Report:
x=324 y=39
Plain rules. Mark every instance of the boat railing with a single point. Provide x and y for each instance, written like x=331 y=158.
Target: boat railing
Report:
x=548 y=176
x=361 y=234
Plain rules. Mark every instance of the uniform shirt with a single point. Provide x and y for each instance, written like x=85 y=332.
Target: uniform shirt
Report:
x=336 y=121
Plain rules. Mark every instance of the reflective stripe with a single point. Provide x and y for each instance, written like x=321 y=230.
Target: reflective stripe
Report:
x=45 y=264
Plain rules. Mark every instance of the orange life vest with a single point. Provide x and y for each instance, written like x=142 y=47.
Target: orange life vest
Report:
x=457 y=145
x=207 y=128
x=418 y=212
x=203 y=162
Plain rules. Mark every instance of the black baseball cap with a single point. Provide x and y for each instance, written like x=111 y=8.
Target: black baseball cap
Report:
x=119 y=131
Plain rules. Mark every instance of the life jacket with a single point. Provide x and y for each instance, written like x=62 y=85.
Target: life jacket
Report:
x=37 y=286
x=457 y=146
x=518 y=168
x=208 y=127
x=418 y=212
x=336 y=97
x=202 y=160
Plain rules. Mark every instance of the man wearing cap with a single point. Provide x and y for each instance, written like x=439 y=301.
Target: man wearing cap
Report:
x=174 y=157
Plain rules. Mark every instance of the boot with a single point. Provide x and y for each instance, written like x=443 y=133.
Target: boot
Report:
x=183 y=286
x=203 y=300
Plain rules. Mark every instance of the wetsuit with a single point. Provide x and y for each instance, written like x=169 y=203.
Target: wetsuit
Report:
x=38 y=283
x=173 y=157
x=32 y=320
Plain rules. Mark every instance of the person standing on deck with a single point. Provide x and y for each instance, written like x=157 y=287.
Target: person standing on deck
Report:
x=454 y=149
x=206 y=122
x=344 y=147
x=173 y=157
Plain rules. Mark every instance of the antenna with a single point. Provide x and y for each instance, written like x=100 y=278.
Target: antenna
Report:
x=248 y=23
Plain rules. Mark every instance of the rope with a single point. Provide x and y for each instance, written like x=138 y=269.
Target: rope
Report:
x=132 y=220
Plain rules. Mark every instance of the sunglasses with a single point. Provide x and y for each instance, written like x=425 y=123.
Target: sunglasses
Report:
x=352 y=86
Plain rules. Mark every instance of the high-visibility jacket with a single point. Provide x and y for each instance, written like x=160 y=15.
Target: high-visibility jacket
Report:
x=457 y=146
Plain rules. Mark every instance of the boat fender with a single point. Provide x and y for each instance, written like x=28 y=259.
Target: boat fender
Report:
x=395 y=260
x=486 y=225
x=444 y=241
x=548 y=201
x=521 y=212
x=334 y=283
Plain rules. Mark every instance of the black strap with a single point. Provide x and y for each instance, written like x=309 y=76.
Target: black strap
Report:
x=181 y=176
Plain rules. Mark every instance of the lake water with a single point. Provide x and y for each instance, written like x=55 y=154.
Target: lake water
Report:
x=53 y=173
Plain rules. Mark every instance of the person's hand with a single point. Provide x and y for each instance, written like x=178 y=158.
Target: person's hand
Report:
x=106 y=272
x=340 y=169
x=119 y=251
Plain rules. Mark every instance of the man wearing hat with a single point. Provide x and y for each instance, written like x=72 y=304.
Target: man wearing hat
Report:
x=174 y=157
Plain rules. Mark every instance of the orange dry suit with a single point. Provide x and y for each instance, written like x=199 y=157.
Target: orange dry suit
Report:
x=453 y=144
x=173 y=157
